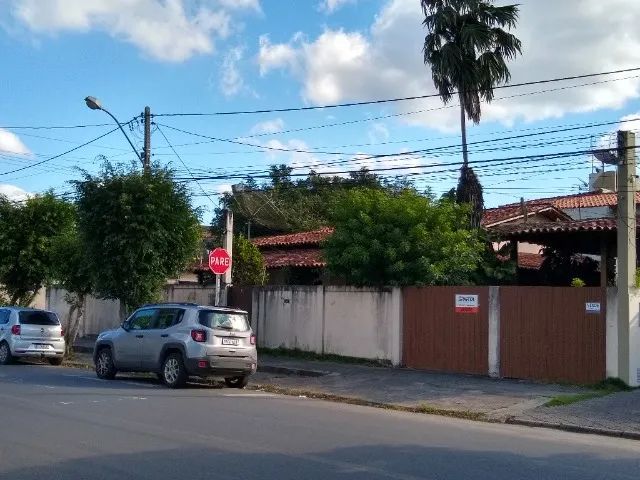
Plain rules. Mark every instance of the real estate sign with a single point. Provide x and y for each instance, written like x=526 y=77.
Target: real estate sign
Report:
x=466 y=303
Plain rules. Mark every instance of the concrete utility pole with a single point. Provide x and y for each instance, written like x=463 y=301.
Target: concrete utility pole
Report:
x=227 y=244
x=146 y=154
x=626 y=249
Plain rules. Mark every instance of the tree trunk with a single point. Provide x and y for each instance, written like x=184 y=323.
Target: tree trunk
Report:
x=463 y=131
x=75 y=327
x=67 y=328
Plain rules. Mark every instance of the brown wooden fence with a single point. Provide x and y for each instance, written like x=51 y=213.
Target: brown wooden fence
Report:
x=549 y=333
x=435 y=337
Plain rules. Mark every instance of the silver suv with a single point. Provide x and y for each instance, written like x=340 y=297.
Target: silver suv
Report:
x=27 y=332
x=178 y=341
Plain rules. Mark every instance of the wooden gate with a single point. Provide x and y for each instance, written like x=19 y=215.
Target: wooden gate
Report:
x=553 y=333
x=240 y=297
x=435 y=337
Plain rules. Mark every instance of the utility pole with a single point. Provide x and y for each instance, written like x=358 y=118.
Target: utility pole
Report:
x=146 y=153
x=626 y=250
x=227 y=244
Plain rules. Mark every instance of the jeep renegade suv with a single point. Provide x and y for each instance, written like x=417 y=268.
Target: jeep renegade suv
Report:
x=178 y=341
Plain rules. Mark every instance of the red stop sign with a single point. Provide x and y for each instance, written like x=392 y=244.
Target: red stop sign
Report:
x=219 y=261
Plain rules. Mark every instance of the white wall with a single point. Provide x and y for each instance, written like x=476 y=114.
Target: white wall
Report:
x=363 y=323
x=612 y=332
x=634 y=340
x=100 y=315
x=346 y=321
x=289 y=317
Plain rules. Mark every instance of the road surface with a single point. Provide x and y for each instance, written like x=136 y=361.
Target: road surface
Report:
x=58 y=423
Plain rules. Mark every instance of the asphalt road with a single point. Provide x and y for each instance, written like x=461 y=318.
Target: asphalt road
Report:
x=58 y=423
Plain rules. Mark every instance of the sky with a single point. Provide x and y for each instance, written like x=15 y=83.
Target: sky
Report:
x=211 y=56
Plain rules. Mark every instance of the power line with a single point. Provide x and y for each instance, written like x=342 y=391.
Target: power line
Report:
x=52 y=127
x=391 y=100
x=60 y=154
x=185 y=165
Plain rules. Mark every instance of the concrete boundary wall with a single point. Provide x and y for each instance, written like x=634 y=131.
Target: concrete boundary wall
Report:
x=354 y=322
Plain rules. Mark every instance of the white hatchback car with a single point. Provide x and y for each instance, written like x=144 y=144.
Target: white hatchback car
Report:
x=27 y=332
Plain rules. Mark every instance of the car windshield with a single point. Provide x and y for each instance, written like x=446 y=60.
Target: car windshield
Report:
x=225 y=320
x=28 y=317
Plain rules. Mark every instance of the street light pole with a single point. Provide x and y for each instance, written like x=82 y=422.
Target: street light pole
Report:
x=94 y=104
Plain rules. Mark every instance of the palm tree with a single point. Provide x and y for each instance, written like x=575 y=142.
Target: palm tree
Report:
x=467 y=48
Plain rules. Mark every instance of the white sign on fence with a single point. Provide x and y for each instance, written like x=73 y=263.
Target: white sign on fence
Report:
x=592 y=307
x=466 y=303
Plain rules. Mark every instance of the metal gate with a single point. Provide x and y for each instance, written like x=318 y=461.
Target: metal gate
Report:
x=436 y=337
x=553 y=333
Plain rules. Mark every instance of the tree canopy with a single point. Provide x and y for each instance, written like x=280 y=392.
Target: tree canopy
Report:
x=27 y=233
x=401 y=238
x=138 y=229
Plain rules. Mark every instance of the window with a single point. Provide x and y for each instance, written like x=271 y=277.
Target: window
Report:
x=37 y=317
x=168 y=317
x=142 y=319
x=224 y=320
x=4 y=316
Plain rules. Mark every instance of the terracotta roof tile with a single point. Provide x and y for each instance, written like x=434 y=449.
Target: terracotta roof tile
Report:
x=494 y=216
x=532 y=261
x=310 y=258
x=581 y=200
x=293 y=239
x=592 y=225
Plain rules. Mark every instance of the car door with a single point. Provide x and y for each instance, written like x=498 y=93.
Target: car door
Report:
x=5 y=328
x=155 y=338
x=128 y=346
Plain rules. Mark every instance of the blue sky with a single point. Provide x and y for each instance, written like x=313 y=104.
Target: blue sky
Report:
x=186 y=56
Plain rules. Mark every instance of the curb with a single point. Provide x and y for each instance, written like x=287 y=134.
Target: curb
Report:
x=291 y=371
x=575 y=428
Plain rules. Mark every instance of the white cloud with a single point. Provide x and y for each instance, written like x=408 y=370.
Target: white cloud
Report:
x=386 y=61
x=241 y=4
x=629 y=122
x=13 y=193
x=222 y=188
x=231 y=81
x=330 y=6
x=272 y=57
x=10 y=143
x=378 y=133
x=269 y=126
x=169 y=30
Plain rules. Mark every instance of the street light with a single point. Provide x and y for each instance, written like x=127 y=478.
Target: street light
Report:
x=94 y=104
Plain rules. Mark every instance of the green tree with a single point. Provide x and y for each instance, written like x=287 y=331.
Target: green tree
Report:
x=382 y=238
x=248 y=265
x=467 y=48
x=138 y=230
x=27 y=233
x=72 y=271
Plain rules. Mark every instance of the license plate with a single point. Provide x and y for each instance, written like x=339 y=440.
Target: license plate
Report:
x=40 y=346
x=230 y=341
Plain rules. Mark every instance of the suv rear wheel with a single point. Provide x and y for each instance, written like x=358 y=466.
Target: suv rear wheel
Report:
x=174 y=374
x=105 y=368
x=237 y=382
x=5 y=354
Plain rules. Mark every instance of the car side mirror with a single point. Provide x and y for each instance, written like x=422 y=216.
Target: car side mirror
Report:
x=125 y=326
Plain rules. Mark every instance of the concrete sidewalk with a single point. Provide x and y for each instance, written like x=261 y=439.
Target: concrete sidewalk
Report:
x=502 y=400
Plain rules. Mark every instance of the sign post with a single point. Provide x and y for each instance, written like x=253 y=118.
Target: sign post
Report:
x=219 y=264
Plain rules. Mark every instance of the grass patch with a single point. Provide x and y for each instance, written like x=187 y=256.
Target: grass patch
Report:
x=327 y=357
x=611 y=385
x=561 y=400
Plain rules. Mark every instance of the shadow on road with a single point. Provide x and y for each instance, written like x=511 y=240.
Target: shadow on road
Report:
x=363 y=462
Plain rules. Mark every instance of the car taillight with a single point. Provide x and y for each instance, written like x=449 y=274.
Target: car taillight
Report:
x=15 y=330
x=62 y=332
x=199 y=335
x=253 y=340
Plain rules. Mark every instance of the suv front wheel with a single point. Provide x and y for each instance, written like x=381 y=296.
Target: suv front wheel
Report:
x=173 y=373
x=105 y=369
